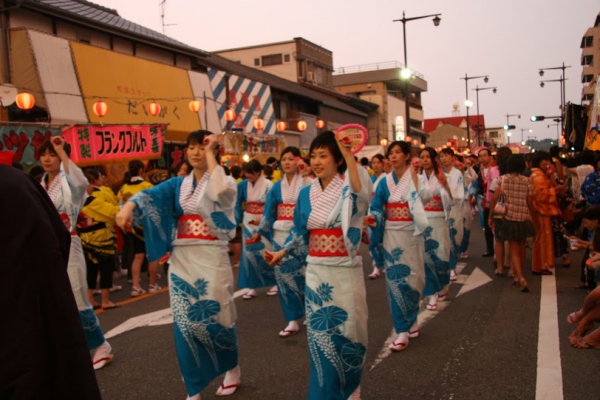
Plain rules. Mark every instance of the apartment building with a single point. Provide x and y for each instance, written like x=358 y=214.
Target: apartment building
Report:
x=590 y=61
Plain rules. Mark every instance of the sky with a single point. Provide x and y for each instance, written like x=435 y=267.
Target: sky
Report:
x=507 y=40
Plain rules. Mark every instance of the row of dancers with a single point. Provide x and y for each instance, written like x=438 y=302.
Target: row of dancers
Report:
x=300 y=235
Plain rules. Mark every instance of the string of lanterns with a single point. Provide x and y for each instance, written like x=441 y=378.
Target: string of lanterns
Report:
x=26 y=101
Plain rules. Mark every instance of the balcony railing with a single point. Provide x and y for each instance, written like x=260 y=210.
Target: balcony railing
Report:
x=373 y=67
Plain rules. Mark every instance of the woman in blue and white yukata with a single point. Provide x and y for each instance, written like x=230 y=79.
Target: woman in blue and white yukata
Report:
x=66 y=186
x=437 y=236
x=275 y=227
x=254 y=272
x=328 y=223
x=194 y=216
x=456 y=183
x=377 y=163
x=400 y=222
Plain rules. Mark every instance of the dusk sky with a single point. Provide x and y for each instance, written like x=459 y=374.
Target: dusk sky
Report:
x=508 y=40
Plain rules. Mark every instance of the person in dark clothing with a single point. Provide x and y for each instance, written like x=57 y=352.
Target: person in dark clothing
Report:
x=43 y=350
x=484 y=179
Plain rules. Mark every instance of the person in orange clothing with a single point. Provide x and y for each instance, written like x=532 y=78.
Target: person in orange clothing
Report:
x=545 y=204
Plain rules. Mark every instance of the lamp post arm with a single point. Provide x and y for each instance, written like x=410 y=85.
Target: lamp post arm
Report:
x=405 y=20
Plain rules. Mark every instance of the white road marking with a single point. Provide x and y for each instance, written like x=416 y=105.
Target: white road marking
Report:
x=549 y=384
x=161 y=317
x=476 y=279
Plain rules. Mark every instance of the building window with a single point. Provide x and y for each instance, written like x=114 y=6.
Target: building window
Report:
x=286 y=58
x=493 y=134
x=257 y=62
x=587 y=78
x=587 y=60
x=300 y=69
x=587 y=97
x=587 y=41
x=273 y=59
x=280 y=108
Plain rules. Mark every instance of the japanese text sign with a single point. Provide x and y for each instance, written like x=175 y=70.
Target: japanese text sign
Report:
x=96 y=144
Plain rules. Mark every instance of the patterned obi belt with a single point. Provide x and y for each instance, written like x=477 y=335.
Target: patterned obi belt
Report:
x=193 y=227
x=434 y=205
x=255 y=208
x=285 y=212
x=67 y=221
x=327 y=243
x=398 y=212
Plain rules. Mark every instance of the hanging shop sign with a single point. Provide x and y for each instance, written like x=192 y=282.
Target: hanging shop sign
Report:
x=25 y=141
x=93 y=144
x=245 y=143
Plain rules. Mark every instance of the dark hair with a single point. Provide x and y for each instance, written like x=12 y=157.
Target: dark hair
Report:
x=180 y=164
x=572 y=163
x=134 y=168
x=17 y=165
x=515 y=164
x=268 y=170
x=502 y=157
x=404 y=148
x=591 y=212
x=36 y=171
x=327 y=140
x=596 y=161
x=380 y=157
x=227 y=170
x=236 y=171
x=271 y=160
x=484 y=149
x=554 y=151
x=538 y=157
x=364 y=161
x=290 y=149
x=447 y=151
x=432 y=154
x=587 y=157
x=93 y=174
x=253 y=166
x=48 y=146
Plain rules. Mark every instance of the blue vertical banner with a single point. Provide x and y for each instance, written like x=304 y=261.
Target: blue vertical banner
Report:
x=249 y=99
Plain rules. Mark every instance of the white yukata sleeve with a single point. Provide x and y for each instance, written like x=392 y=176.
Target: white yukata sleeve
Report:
x=222 y=189
x=78 y=184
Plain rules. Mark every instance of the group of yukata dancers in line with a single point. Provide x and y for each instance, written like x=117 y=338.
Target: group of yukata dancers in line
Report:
x=300 y=234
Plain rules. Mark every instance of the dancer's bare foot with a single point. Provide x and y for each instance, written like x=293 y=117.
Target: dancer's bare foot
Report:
x=589 y=341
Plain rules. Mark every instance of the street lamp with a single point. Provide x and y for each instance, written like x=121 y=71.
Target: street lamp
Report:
x=467 y=78
x=477 y=89
x=406 y=73
x=523 y=130
x=557 y=124
x=508 y=134
x=562 y=79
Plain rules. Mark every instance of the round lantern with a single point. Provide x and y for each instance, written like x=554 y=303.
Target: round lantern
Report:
x=258 y=124
x=320 y=123
x=153 y=109
x=301 y=126
x=195 y=106
x=25 y=101
x=230 y=115
x=281 y=126
x=407 y=139
x=384 y=142
x=100 y=108
x=415 y=142
x=422 y=146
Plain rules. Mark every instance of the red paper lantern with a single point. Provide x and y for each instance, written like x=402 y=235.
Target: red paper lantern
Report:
x=153 y=109
x=25 y=101
x=195 y=106
x=258 y=124
x=415 y=142
x=100 y=108
x=407 y=139
x=230 y=115
x=320 y=123
x=301 y=126
x=281 y=126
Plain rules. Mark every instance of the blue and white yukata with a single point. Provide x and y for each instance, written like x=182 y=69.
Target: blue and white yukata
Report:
x=470 y=176
x=68 y=193
x=254 y=271
x=456 y=184
x=196 y=221
x=327 y=231
x=437 y=236
x=371 y=245
x=275 y=227
x=401 y=222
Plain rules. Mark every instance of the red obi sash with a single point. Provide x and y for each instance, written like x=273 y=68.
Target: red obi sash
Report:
x=255 y=208
x=285 y=212
x=67 y=221
x=398 y=212
x=327 y=243
x=193 y=227
x=434 y=205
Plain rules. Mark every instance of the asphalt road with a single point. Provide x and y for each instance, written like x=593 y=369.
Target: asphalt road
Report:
x=481 y=344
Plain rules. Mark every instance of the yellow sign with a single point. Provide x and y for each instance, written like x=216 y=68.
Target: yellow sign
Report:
x=128 y=84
